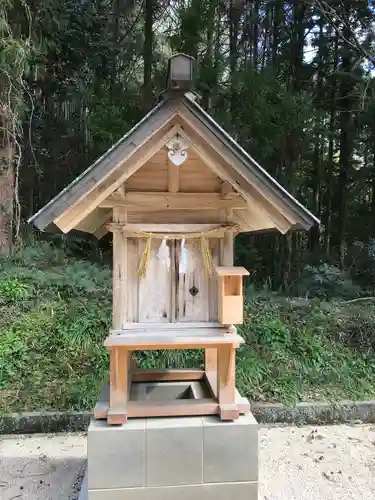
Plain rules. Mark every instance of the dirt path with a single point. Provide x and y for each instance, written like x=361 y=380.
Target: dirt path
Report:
x=307 y=463
x=318 y=463
x=41 y=467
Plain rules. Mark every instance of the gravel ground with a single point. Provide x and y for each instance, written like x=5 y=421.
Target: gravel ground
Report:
x=317 y=463
x=305 y=463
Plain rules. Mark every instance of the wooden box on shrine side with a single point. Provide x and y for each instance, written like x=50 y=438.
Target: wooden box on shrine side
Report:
x=231 y=301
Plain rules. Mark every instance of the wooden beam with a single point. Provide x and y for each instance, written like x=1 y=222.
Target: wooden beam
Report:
x=175 y=339
x=101 y=407
x=94 y=221
x=176 y=201
x=120 y=267
x=165 y=228
x=173 y=177
x=73 y=216
x=167 y=375
x=183 y=407
x=245 y=219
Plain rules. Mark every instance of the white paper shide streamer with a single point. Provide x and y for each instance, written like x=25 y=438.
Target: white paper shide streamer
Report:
x=163 y=253
x=183 y=259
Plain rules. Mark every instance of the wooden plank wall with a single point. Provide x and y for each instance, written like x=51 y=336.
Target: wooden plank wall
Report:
x=164 y=294
x=194 y=175
x=153 y=176
x=132 y=284
x=203 y=306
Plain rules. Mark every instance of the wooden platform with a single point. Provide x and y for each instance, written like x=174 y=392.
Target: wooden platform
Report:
x=173 y=339
x=220 y=346
x=204 y=402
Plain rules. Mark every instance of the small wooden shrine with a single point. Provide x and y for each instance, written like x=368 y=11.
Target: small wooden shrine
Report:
x=174 y=191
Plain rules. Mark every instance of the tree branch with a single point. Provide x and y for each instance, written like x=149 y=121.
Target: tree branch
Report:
x=335 y=19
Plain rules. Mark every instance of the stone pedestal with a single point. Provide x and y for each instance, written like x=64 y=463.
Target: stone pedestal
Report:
x=185 y=458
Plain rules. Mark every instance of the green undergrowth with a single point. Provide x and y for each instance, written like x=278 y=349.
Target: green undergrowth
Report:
x=300 y=349
x=55 y=312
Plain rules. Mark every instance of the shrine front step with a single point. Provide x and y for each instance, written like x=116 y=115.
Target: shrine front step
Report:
x=189 y=458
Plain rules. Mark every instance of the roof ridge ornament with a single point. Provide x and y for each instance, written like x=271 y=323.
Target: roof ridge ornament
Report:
x=177 y=150
x=180 y=72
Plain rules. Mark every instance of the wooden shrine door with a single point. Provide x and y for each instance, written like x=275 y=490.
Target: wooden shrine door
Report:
x=196 y=293
x=166 y=295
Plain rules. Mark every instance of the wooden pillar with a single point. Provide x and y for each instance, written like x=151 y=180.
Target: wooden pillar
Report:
x=118 y=385
x=119 y=358
x=120 y=264
x=227 y=253
x=227 y=243
x=226 y=383
x=211 y=359
x=228 y=250
x=226 y=259
x=173 y=177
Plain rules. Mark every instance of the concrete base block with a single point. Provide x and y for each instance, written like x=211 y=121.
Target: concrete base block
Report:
x=218 y=491
x=192 y=458
x=116 y=455
x=230 y=449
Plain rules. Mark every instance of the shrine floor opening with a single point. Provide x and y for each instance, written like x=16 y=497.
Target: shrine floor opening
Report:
x=168 y=391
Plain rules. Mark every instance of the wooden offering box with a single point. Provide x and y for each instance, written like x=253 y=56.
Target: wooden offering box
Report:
x=174 y=191
x=231 y=294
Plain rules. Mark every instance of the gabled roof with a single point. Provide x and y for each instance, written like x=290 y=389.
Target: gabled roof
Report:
x=250 y=165
x=248 y=177
x=43 y=219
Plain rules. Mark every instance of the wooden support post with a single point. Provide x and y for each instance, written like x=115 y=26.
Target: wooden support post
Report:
x=227 y=389
x=120 y=264
x=120 y=358
x=118 y=385
x=173 y=177
x=228 y=250
x=210 y=362
x=227 y=253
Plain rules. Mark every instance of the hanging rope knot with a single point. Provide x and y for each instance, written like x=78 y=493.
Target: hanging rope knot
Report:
x=142 y=269
x=203 y=236
x=207 y=257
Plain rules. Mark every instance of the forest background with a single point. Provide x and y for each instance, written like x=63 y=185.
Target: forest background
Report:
x=292 y=81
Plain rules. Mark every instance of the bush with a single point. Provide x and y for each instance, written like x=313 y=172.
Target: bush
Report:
x=327 y=281
x=299 y=349
x=55 y=313
x=13 y=290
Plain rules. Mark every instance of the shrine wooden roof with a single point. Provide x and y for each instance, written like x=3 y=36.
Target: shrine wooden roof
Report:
x=82 y=204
